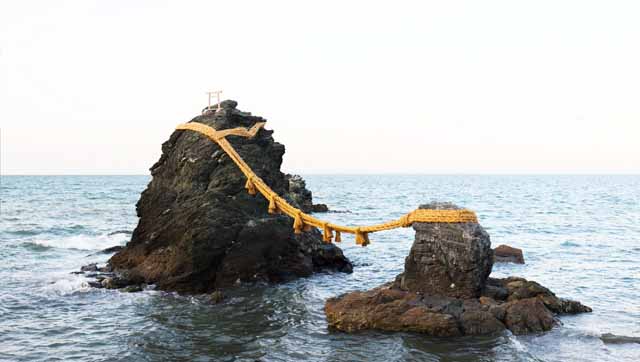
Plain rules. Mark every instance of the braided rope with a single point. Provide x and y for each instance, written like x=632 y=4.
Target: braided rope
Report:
x=302 y=221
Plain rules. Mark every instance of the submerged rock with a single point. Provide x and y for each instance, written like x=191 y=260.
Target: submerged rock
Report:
x=199 y=230
x=446 y=291
x=508 y=254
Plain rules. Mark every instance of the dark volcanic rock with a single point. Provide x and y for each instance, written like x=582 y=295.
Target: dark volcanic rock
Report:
x=200 y=230
x=448 y=259
x=445 y=291
x=508 y=254
x=320 y=208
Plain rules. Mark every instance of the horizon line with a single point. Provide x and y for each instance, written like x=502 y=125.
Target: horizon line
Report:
x=369 y=173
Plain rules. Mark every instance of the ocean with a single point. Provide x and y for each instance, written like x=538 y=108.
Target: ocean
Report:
x=580 y=236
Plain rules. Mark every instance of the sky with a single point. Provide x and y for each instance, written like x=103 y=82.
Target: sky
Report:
x=482 y=87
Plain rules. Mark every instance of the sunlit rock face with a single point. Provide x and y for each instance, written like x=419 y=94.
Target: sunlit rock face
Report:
x=445 y=290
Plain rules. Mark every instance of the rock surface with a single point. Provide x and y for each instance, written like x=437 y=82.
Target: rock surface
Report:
x=446 y=291
x=448 y=259
x=508 y=254
x=199 y=230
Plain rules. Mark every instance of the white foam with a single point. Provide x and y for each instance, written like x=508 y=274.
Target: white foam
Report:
x=67 y=286
x=82 y=242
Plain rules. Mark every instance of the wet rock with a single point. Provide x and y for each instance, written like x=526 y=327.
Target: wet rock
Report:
x=215 y=232
x=419 y=300
x=95 y=284
x=448 y=259
x=528 y=316
x=320 y=208
x=108 y=283
x=89 y=268
x=480 y=322
x=508 y=254
x=132 y=289
x=616 y=339
x=387 y=308
x=116 y=282
x=119 y=232
x=216 y=297
x=113 y=249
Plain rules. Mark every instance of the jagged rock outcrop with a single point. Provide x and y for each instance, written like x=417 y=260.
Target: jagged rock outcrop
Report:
x=446 y=291
x=199 y=230
x=298 y=192
x=508 y=254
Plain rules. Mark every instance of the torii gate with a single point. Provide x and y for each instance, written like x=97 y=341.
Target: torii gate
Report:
x=217 y=94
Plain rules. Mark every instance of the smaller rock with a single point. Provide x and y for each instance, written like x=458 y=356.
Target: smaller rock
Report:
x=108 y=283
x=216 y=297
x=89 y=268
x=106 y=269
x=113 y=249
x=95 y=284
x=132 y=289
x=615 y=339
x=528 y=316
x=119 y=232
x=508 y=254
x=115 y=282
x=319 y=208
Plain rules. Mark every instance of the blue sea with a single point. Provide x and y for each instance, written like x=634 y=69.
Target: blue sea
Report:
x=580 y=236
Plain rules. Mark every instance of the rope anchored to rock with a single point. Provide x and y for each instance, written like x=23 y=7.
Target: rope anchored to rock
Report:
x=304 y=222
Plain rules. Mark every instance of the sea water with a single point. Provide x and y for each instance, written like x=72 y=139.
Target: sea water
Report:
x=580 y=236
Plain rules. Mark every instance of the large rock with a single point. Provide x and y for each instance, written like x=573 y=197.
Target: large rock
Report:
x=199 y=230
x=391 y=308
x=448 y=259
x=446 y=291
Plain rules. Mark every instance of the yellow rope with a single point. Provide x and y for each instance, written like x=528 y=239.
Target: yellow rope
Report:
x=304 y=222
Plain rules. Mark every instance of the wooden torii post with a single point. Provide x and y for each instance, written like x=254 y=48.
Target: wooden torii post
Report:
x=217 y=94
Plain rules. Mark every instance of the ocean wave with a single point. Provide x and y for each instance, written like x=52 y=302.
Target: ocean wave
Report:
x=80 y=242
x=67 y=286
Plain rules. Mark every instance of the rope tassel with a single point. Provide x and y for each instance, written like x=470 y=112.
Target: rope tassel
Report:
x=327 y=234
x=338 y=238
x=298 y=224
x=250 y=186
x=362 y=238
x=273 y=207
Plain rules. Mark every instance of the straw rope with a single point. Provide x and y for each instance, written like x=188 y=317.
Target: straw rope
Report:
x=302 y=221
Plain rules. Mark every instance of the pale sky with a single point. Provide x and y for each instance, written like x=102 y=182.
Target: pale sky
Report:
x=95 y=87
